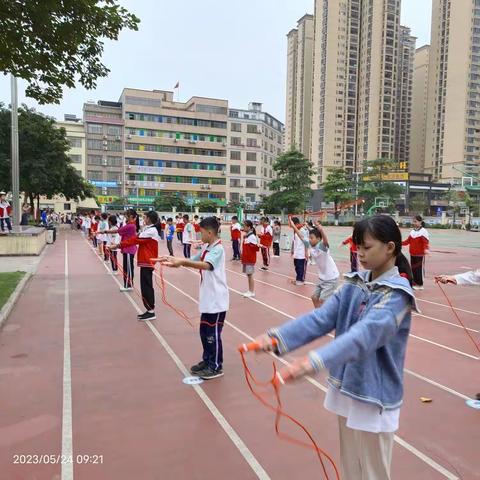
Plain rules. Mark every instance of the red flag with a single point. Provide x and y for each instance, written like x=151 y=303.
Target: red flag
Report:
x=177 y=85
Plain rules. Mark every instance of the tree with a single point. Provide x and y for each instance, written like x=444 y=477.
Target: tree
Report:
x=337 y=188
x=292 y=187
x=166 y=201
x=373 y=183
x=418 y=204
x=271 y=203
x=52 y=44
x=207 y=206
x=45 y=167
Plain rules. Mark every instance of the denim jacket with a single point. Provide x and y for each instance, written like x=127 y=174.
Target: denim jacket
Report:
x=371 y=322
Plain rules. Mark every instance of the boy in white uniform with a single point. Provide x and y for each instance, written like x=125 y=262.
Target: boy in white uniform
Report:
x=213 y=297
x=299 y=252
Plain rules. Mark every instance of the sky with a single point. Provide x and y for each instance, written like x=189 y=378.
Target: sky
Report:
x=230 y=49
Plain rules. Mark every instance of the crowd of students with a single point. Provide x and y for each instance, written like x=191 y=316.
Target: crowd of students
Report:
x=370 y=311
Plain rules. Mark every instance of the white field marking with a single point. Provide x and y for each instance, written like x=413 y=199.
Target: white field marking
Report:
x=440 y=345
x=466 y=268
x=291 y=278
x=456 y=325
x=67 y=438
x=424 y=458
x=227 y=428
x=432 y=382
x=446 y=306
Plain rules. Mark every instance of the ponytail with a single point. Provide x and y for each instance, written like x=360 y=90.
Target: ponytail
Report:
x=132 y=213
x=419 y=218
x=404 y=268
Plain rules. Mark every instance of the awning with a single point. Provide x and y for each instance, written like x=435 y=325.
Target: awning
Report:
x=88 y=203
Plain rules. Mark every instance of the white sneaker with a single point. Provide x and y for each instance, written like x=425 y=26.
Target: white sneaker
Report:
x=299 y=283
x=249 y=294
x=418 y=287
x=126 y=289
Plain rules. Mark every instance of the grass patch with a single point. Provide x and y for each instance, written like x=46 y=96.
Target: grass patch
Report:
x=8 y=283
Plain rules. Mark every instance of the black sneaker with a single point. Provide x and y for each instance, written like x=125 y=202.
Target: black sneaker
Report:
x=145 y=317
x=264 y=268
x=207 y=373
x=198 y=367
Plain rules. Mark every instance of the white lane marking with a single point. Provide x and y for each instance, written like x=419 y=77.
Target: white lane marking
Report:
x=466 y=268
x=228 y=429
x=409 y=447
x=67 y=438
x=440 y=345
x=446 y=306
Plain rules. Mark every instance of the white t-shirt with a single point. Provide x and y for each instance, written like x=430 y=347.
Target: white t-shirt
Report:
x=299 y=249
x=327 y=270
x=87 y=222
x=112 y=238
x=213 y=294
x=361 y=415
x=188 y=233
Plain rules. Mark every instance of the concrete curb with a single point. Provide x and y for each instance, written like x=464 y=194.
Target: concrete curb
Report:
x=7 y=308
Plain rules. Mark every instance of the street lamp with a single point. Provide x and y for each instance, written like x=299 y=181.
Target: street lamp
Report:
x=14 y=148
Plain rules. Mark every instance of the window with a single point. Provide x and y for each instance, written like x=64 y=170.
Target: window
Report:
x=235 y=182
x=67 y=206
x=94 y=160
x=114 y=146
x=235 y=155
x=235 y=141
x=212 y=109
x=235 y=169
x=234 y=197
x=252 y=129
x=250 y=197
x=252 y=156
x=236 y=127
x=75 y=142
x=75 y=158
x=94 y=145
x=251 y=184
x=114 y=176
x=114 y=130
x=94 y=128
x=114 y=161
x=251 y=170
x=94 y=175
x=252 y=142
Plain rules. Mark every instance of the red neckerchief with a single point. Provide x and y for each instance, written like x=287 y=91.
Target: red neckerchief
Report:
x=204 y=254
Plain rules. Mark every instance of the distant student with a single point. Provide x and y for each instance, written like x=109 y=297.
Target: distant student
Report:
x=147 y=241
x=299 y=251
x=328 y=273
x=250 y=247
x=198 y=234
x=353 y=253
x=169 y=234
x=277 y=231
x=371 y=317
x=101 y=237
x=112 y=238
x=188 y=236
x=179 y=228
x=94 y=229
x=127 y=232
x=235 y=235
x=266 y=238
x=163 y=224
x=5 y=212
x=213 y=297
x=418 y=240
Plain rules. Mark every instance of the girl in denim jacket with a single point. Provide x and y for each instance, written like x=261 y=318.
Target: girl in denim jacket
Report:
x=371 y=316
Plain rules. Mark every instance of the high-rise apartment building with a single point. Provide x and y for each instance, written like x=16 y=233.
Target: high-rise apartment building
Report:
x=362 y=84
x=104 y=150
x=403 y=122
x=419 y=110
x=299 y=85
x=453 y=114
x=255 y=140
x=75 y=130
x=175 y=147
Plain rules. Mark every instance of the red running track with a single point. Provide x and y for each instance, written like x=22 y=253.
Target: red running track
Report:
x=133 y=416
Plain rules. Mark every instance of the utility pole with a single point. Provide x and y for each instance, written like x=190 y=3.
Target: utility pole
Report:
x=14 y=154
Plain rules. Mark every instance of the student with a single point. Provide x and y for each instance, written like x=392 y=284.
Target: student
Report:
x=127 y=232
x=250 y=248
x=299 y=252
x=353 y=253
x=371 y=316
x=94 y=230
x=147 y=241
x=213 y=297
x=468 y=278
x=266 y=237
x=5 y=212
x=179 y=227
x=102 y=238
x=112 y=238
x=418 y=240
x=163 y=224
x=327 y=270
x=277 y=231
x=87 y=225
x=169 y=234
x=235 y=235
x=188 y=236
x=198 y=235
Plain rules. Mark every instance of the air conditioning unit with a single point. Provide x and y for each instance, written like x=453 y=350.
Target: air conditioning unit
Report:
x=105 y=148
x=192 y=141
x=129 y=167
x=129 y=136
x=119 y=182
x=127 y=183
x=105 y=142
x=105 y=137
x=224 y=144
x=105 y=162
x=118 y=138
x=175 y=140
x=224 y=172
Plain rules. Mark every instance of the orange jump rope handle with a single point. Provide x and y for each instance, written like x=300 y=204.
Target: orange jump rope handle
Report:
x=254 y=346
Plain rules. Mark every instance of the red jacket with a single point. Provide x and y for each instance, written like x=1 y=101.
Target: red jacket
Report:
x=249 y=249
x=266 y=236
x=418 y=241
x=235 y=233
x=349 y=242
x=147 y=242
x=5 y=212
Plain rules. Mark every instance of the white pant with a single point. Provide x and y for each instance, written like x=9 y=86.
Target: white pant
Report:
x=364 y=455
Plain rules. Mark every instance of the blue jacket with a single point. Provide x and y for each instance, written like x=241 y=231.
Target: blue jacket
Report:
x=371 y=322
x=170 y=232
